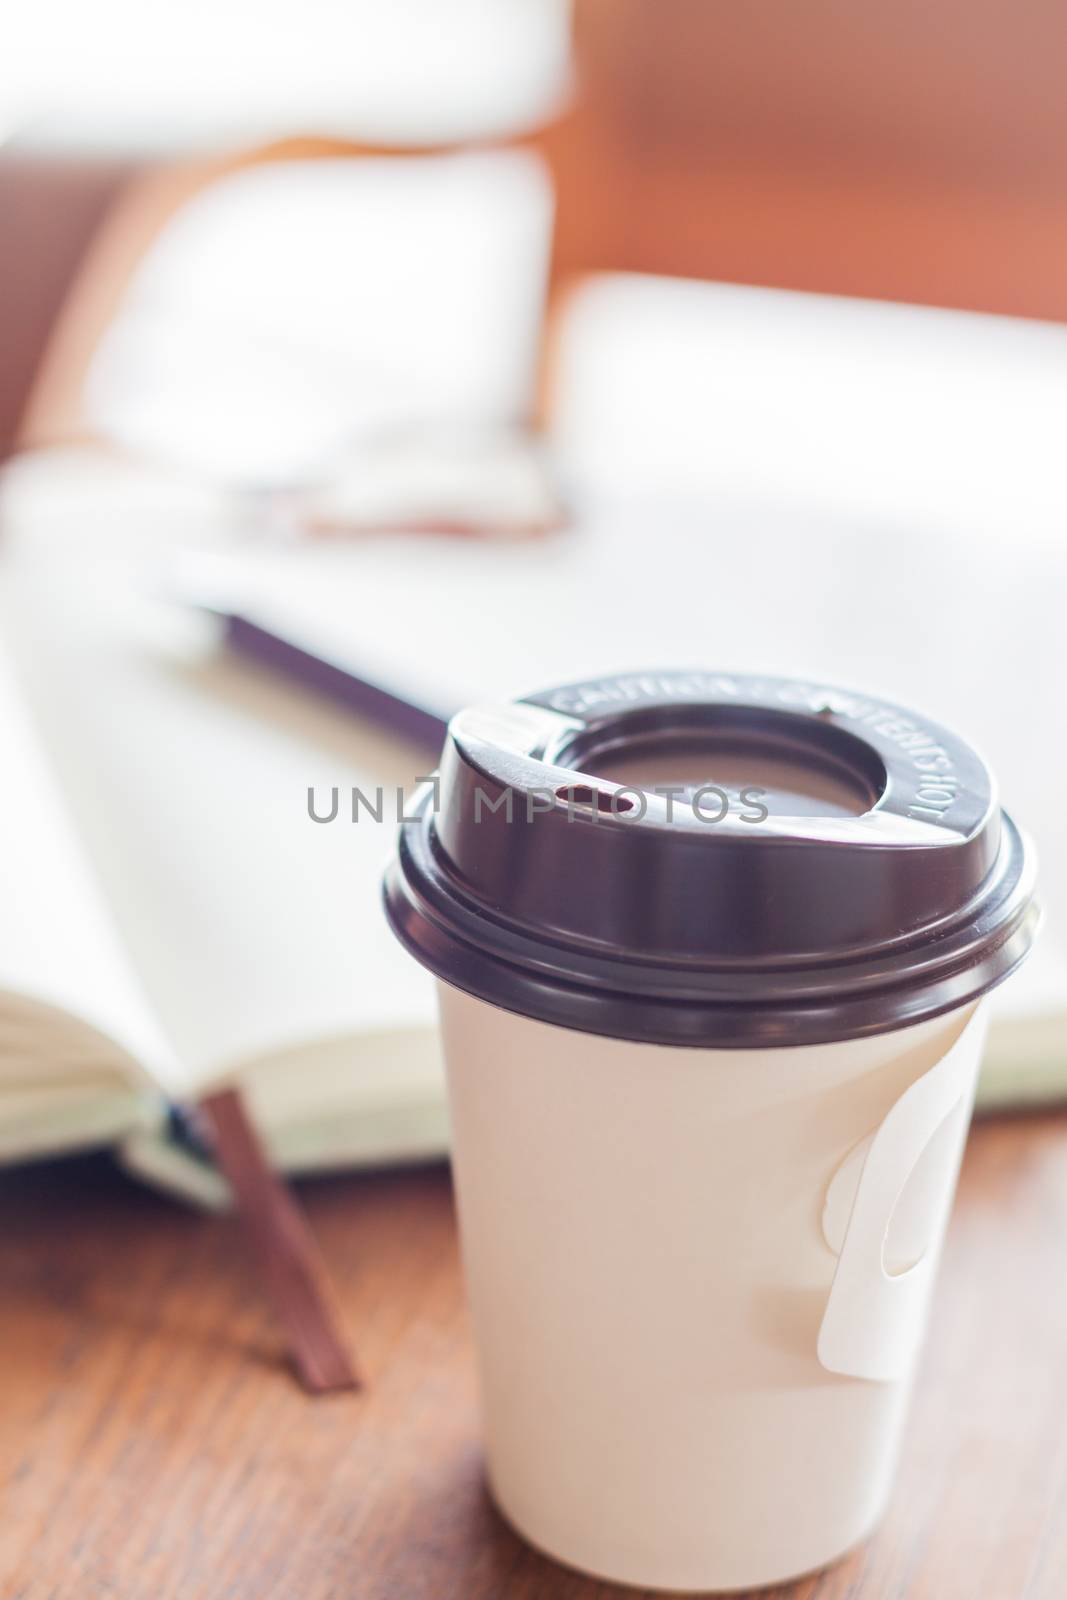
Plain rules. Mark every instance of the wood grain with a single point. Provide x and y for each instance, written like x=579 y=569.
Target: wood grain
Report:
x=154 y=1446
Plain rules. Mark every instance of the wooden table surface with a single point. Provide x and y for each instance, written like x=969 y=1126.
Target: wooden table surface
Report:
x=153 y=1445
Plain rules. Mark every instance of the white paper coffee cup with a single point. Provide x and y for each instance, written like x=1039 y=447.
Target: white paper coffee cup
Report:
x=709 y=1084
x=681 y=1387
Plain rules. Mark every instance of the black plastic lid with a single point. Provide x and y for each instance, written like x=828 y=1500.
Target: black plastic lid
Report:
x=824 y=866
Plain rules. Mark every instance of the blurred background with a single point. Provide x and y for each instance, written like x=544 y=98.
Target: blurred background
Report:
x=198 y=189
x=456 y=347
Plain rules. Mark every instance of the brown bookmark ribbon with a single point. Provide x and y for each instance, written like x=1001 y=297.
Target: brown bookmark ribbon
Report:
x=293 y=1269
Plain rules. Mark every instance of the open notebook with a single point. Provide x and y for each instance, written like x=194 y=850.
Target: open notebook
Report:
x=174 y=921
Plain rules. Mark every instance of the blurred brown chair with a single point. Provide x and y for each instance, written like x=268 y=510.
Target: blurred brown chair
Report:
x=50 y=212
